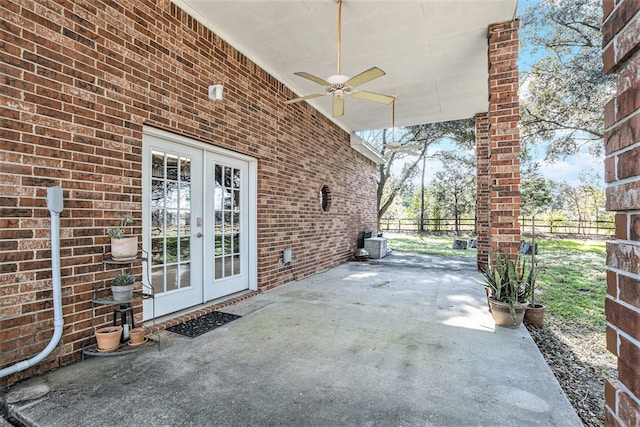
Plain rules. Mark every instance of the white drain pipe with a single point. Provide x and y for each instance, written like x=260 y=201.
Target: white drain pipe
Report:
x=55 y=204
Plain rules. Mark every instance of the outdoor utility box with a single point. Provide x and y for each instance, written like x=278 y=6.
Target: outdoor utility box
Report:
x=376 y=246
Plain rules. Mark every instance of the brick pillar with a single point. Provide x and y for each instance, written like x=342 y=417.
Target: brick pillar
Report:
x=622 y=173
x=482 y=193
x=504 y=138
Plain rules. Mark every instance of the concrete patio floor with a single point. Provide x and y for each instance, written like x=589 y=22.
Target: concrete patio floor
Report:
x=407 y=340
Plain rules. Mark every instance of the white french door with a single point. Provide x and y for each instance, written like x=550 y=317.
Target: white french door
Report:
x=199 y=222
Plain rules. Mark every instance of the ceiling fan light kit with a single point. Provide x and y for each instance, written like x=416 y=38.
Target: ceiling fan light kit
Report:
x=337 y=79
x=339 y=84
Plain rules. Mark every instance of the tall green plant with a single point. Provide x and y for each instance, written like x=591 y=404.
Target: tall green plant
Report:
x=509 y=281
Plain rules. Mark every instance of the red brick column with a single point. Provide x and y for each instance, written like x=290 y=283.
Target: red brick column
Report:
x=482 y=192
x=504 y=138
x=622 y=174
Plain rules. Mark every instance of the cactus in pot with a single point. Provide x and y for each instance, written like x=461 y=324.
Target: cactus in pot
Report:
x=122 y=286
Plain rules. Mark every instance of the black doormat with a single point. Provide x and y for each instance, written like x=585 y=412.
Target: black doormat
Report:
x=198 y=326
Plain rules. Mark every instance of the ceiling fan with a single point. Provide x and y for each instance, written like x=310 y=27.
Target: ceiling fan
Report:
x=338 y=85
x=396 y=146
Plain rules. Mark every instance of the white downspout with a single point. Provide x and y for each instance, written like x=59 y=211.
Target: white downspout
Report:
x=55 y=204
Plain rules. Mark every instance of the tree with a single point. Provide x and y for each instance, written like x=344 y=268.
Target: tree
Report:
x=461 y=132
x=564 y=92
x=455 y=192
x=535 y=196
x=584 y=201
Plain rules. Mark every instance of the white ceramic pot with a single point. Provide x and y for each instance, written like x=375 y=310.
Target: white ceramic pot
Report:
x=124 y=249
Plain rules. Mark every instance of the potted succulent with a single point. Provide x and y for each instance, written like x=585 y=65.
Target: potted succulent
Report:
x=123 y=247
x=122 y=286
x=509 y=285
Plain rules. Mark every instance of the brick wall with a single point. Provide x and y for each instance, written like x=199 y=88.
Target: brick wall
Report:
x=622 y=175
x=79 y=81
x=504 y=138
x=482 y=192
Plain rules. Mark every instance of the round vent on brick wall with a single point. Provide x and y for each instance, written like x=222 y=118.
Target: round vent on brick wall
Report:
x=325 y=198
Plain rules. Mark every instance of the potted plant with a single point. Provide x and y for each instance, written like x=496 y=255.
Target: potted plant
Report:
x=122 y=286
x=123 y=247
x=509 y=287
x=535 y=196
x=534 y=313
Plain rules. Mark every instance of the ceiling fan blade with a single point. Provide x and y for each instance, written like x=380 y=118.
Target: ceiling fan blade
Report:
x=412 y=146
x=313 y=78
x=304 y=98
x=413 y=153
x=338 y=107
x=365 y=76
x=372 y=96
x=388 y=154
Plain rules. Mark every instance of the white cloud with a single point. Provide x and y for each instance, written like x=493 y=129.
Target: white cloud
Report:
x=570 y=168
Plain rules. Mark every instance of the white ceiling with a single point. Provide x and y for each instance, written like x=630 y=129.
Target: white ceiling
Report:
x=434 y=52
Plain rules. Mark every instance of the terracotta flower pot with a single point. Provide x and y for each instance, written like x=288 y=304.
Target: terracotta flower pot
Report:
x=502 y=315
x=136 y=336
x=108 y=338
x=535 y=315
x=124 y=249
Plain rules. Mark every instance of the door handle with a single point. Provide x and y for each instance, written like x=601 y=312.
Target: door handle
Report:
x=199 y=235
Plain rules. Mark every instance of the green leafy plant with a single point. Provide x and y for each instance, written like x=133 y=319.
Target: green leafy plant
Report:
x=118 y=232
x=123 y=279
x=509 y=281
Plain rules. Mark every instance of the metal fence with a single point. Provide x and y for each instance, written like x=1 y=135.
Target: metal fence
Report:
x=467 y=226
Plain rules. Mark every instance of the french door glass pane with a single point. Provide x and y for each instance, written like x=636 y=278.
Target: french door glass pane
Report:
x=171 y=277
x=157 y=222
x=236 y=264
x=218 y=264
x=157 y=279
x=157 y=251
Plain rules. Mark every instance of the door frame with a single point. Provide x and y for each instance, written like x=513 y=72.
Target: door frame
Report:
x=252 y=208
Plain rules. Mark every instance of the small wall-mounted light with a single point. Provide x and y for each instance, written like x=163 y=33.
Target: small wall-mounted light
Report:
x=215 y=92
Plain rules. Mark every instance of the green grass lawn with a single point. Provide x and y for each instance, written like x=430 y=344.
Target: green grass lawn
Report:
x=571 y=275
x=572 y=281
x=425 y=244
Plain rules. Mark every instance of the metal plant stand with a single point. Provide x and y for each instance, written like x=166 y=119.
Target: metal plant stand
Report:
x=123 y=311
